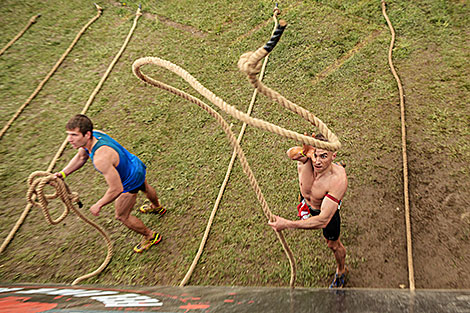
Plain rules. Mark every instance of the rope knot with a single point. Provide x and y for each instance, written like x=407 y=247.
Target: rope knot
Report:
x=246 y=64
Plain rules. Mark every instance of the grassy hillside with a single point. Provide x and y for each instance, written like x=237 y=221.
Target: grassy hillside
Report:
x=331 y=60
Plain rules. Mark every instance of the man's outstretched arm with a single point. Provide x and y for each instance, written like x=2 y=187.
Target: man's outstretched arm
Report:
x=328 y=209
x=77 y=162
x=313 y=222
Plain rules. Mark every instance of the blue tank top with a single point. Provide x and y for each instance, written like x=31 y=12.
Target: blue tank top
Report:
x=130 y=168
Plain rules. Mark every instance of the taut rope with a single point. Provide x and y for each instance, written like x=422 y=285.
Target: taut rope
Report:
x=32 y=20
x=250 y=64
x=37 y=181
x=229 y=170
x=51 y=72
x=404 y=154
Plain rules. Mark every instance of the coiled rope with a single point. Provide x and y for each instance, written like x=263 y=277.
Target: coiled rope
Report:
x=51 y=72
x=229 y=169
x=64 y=143
x=250 y=64
x=404 y=154
x=32 y=20
x=36 y=197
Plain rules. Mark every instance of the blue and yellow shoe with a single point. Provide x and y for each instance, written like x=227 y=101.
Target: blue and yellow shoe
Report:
x=338 y=281
x=145 y=244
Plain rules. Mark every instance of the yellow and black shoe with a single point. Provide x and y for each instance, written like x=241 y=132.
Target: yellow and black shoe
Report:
x=147 y=208
x=145 y=244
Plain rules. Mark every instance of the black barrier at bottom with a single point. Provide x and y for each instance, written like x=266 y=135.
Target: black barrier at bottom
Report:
x=94 y=299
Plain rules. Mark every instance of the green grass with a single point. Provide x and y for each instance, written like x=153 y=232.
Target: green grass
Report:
x=187 y=153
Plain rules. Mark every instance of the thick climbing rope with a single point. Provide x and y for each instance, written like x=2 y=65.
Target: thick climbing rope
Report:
x=36 y=196
x=51 y=72
x=404 y=154
x=32 y=20
x=64 y=143
x=250 y=64
x=136 y=69
x=229 y=169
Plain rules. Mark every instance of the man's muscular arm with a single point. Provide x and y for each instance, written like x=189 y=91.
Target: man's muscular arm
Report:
x=328 y=209
x=105 y=160
x=77 y=162
x=313 y=222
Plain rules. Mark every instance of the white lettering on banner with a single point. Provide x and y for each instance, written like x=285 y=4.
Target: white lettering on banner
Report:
x=108 y=297
x=90 y=293
x=128 y=300
x=9 y=289
x=71 y=292
x=65 y=292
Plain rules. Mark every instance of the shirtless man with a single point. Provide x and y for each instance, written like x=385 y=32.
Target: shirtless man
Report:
x=124 y=173
x=322 y=186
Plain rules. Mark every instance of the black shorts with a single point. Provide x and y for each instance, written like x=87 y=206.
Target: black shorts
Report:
x=136 y=190
x=332 y=230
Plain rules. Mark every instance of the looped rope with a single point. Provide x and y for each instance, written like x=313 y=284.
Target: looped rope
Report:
x=229 y=109
x=37 y=182
x=250 y=64
x=36 y=196
x=233 y=141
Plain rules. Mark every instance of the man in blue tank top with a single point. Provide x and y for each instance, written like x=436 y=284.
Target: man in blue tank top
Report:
x=124 y=173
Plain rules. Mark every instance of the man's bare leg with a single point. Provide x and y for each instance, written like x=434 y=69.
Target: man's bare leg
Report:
x=123 y=206
x=151 y=195
x=340 y=254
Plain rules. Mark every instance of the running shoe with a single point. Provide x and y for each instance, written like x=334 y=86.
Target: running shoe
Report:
x=145 y=244
x=338 y=281
x=147 y=208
